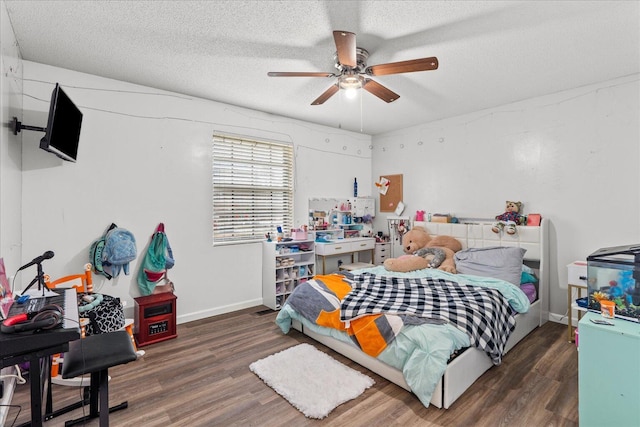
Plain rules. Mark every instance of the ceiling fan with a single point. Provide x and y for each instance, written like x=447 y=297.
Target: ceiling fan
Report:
x=353 y=72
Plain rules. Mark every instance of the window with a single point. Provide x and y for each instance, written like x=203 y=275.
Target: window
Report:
x=252 y=188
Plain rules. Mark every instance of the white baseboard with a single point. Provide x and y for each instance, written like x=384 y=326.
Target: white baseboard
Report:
x=190 y=317
x=558 y=318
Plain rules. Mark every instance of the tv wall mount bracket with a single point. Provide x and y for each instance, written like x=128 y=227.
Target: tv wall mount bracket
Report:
x=17 y=126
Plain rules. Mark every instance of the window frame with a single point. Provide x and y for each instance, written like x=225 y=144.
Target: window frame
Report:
x=252 y=188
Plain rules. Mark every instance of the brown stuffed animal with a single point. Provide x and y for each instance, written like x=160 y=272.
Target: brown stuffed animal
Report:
x=509 y=219
x=416 y=239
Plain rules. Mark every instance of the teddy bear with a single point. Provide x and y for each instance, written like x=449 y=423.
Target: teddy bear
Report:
x=509 y=219
x=417 y=245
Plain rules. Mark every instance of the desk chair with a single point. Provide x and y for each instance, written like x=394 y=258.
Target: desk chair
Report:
x=82 y=282
x=94 y=355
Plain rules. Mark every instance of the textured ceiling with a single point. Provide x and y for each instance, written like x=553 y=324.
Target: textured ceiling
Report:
x=490 y=52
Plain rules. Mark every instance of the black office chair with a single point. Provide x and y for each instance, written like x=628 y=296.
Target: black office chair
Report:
x=94 y=355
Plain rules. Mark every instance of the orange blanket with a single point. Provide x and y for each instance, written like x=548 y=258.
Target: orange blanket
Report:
x=372 y=333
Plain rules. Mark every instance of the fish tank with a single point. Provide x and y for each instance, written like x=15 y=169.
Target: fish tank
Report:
x=613 y=274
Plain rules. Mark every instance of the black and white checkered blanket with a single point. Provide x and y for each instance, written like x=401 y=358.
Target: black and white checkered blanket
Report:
x=481 y=312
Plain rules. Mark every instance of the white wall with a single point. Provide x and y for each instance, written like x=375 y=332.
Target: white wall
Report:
x=573 y=157
x=145 y=158
x=10 y=145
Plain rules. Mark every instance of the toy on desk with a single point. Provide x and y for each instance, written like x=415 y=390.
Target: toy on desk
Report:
x=268 y=236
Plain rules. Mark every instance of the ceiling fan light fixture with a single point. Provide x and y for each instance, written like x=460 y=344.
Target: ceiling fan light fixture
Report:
x=352 y=82
x=351 y=93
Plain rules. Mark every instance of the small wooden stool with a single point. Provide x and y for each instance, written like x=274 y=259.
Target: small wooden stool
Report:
x=94 y=355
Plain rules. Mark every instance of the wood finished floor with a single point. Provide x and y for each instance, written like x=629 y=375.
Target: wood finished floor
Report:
x=202 y=378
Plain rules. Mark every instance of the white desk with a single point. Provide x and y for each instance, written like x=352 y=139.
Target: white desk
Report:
x=345 y=246
x=577 y=279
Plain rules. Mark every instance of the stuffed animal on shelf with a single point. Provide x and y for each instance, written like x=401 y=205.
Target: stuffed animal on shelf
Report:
x=508 y=220
x=417 y=244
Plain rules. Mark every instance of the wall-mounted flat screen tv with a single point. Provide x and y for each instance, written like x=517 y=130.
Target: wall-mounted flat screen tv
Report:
x=63 y=127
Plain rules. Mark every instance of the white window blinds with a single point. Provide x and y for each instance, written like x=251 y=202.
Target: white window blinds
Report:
x=252 y=188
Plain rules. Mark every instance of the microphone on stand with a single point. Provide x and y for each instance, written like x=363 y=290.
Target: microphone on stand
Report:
x=40 y=276
x=38 y=259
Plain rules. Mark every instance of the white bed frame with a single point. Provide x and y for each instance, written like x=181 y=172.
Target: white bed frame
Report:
x=465 y=369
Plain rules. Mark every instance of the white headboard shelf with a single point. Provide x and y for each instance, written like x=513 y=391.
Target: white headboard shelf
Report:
x=479 y=235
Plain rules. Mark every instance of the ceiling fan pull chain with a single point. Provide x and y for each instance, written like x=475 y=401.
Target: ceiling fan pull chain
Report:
x=361 y=127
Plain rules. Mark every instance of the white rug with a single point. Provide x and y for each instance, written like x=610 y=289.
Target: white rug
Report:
x=312 y=381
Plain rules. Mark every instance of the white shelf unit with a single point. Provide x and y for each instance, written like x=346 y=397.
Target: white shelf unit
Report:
x=284 y=266
x=343 y=214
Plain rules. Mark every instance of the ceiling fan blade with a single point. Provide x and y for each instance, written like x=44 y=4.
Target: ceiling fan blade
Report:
x=298 y=74
x=346 y=46
x=422 y=64
x=326 y=95
x=387 y=95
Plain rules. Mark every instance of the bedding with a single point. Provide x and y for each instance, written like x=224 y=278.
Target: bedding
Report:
x=501 y=262
x=319 y=300
x=417 y=341
x=481 y=312
x=530 y=291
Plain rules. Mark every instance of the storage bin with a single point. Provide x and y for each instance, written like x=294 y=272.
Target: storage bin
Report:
x=577 y=272
x=299 y=235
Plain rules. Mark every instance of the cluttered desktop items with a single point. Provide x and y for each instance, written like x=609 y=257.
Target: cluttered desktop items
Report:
x=37 y=309
x=31 y=311
x=36 y=324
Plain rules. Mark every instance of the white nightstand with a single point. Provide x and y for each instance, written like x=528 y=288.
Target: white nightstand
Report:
x=382 y=252
x=577 y=279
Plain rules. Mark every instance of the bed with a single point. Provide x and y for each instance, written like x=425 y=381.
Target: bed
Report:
x=454 y=362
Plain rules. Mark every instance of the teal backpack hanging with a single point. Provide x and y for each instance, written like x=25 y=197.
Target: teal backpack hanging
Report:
x=95 y=253
x=158 y=259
